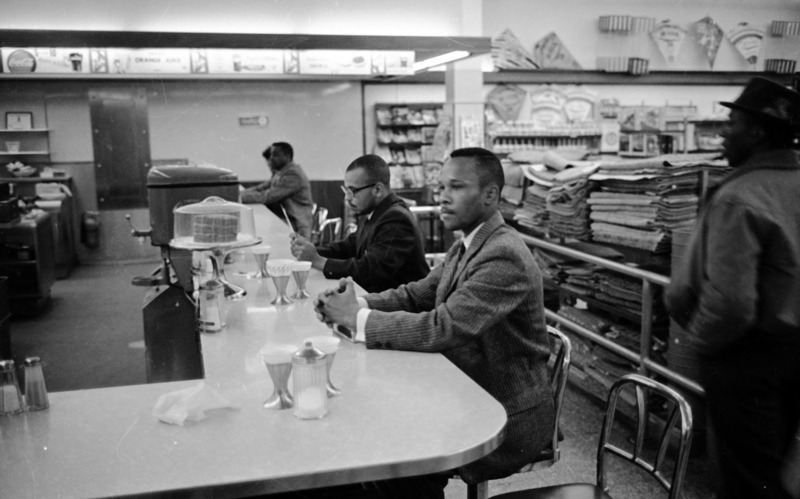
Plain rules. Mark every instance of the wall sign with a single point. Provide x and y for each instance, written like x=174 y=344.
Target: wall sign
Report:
x=206 y=61
x=254 y=120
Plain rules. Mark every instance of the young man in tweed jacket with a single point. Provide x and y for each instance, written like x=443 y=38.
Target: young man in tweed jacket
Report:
x=482 y=309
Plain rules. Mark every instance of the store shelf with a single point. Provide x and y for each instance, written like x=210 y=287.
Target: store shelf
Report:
x=404 y=144
x=29 y=130
x=593 y=77
x=24 y=153
x=407 y=125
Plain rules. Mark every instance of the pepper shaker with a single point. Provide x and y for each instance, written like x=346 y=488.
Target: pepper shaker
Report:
x=310 y=376
x=35 y=389
x=10 y=397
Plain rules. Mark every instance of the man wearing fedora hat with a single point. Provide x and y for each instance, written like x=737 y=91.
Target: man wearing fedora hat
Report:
x=738 y=293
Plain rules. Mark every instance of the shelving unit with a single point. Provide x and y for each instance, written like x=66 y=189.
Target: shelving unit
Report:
x=31 y=142
x=405 y=130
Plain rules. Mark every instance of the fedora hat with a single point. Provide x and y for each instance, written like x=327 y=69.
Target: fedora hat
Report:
x=769 y=101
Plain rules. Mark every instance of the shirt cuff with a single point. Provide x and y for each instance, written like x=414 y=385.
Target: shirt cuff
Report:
x=361 y=321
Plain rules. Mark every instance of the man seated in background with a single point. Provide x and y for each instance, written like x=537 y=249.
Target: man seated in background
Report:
x=288 y=188
x=483 y=309
x=387 y=249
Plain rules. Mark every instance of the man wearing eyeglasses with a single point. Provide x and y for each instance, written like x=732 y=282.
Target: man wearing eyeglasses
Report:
x=287 y=191
x=483 y=309
x=387 y=249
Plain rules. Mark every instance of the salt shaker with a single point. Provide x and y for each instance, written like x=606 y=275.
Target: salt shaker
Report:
x=35 y=389
x=310 y=375
x=10 y=397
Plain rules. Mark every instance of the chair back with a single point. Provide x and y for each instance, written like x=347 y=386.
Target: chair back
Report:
x=561 y=356
x=329 y=230
x=319 y=215
x=677 y=424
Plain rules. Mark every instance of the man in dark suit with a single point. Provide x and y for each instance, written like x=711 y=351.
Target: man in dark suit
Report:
x=387 y=248
x=482 y=308
x=288 y=189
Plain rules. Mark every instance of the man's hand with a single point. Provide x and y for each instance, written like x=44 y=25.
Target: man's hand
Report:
x=338 y=306
x=304 y=250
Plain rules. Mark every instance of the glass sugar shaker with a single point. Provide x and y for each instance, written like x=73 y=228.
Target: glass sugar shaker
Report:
x=35 y=389
x=211 y=308
x=309 y=373
x=10 y=397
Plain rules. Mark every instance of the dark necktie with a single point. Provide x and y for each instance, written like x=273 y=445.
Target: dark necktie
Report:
x=461 y=250
x=456 y=261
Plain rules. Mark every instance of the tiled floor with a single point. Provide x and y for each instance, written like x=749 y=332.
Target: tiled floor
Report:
x=92 y=336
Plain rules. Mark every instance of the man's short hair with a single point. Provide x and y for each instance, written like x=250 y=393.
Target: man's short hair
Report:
x=374 y=167
x=284 y=147
x=490 y=170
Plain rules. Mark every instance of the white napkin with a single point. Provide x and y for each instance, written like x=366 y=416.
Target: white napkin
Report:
x=189 y=404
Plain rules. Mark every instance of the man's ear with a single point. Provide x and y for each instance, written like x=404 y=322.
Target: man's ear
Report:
x=491 y=193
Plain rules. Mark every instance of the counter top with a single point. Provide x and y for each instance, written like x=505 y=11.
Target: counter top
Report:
x=399 y=414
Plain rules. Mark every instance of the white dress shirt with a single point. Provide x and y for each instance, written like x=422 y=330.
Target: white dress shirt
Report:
x=363 y=313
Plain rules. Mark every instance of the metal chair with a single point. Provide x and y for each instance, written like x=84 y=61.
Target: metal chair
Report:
x=560 y=358
x=318 y=216
x=680 y=417
x=329 y=230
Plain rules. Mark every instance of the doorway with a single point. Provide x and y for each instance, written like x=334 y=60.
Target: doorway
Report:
x=121 y=143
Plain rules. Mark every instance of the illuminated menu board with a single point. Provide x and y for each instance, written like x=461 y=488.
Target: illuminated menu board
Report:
x=101 y=61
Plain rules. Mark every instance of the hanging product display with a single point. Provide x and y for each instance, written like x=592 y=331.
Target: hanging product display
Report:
x=638 y=46
x=623 y=47
x=669 y=39
x=550 y=52
x=708 y=35
x=506 y=101
x=782 y=47
x=508 y=52
x=611 y=43
x=748 y=41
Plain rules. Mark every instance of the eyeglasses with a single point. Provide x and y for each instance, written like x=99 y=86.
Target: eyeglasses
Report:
x=350 y=192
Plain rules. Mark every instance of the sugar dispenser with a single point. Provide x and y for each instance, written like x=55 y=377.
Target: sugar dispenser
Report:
x=10 y=397
x=211 y=307
x=310 y=377
x=35 y=389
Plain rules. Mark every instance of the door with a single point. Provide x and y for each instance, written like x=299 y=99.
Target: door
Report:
x=121 y=142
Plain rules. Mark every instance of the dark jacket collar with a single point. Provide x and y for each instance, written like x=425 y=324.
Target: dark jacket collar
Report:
x=389 y=201
x=776 y=159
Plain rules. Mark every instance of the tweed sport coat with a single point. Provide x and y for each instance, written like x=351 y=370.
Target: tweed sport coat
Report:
x=485 y=314
x=386 y=251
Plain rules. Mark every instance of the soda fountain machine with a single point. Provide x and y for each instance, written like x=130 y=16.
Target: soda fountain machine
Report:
x=171 y=336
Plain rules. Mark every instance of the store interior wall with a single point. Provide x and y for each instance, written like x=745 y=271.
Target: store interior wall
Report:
x=346 y=17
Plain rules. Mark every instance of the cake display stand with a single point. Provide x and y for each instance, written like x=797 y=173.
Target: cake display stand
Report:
x=218 y=253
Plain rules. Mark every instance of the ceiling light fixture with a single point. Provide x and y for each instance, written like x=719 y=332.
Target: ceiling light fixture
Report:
x=440 y=59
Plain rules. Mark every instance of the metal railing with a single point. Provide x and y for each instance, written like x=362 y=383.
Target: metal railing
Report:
x=646 y=365
x=649 y=279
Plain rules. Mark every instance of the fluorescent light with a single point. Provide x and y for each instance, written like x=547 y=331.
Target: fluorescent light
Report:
x=440 y=59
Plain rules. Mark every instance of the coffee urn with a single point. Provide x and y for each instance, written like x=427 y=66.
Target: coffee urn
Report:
x=171 y=335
